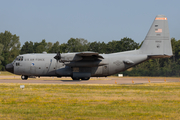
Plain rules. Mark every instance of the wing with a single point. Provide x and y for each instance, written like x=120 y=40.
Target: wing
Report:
x=69 y=57
x=88 y=59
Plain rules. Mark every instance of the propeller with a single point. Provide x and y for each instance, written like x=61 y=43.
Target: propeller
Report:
x=58 y=56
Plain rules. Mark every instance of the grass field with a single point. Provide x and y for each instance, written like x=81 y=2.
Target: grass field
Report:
x=53 y=101
x=2 y=73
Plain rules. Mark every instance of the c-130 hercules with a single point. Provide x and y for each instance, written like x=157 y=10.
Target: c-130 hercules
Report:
x=83 y=65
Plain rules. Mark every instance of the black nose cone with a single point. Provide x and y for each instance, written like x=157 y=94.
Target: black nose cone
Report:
x=9 y=67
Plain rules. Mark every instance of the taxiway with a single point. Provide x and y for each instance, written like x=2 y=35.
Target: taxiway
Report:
x=108 y=80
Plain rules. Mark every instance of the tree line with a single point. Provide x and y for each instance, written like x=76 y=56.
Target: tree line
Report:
x=10 y=47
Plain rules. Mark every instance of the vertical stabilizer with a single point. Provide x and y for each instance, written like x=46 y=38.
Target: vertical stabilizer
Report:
x=157 y=42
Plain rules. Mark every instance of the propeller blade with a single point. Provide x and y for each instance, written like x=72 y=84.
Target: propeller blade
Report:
x=58 y=56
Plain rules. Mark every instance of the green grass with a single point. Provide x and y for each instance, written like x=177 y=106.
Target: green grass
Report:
x=4 y=73
x=42 y=101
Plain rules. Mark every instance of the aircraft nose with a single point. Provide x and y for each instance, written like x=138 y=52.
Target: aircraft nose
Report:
x=9 y=67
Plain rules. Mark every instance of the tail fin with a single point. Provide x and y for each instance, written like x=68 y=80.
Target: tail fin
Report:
x=157 y=42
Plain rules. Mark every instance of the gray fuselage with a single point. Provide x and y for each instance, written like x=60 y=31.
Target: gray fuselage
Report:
x=46 y=65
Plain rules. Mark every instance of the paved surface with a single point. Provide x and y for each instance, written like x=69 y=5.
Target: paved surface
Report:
x=108 y=80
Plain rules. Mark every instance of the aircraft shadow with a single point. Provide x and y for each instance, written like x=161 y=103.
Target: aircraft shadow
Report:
x=65 y=80
x=71 y=80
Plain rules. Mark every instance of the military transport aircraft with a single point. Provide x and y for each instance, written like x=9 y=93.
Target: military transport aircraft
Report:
x=83 y=65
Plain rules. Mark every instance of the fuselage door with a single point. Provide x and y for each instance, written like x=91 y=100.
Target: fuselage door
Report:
x=48 y=66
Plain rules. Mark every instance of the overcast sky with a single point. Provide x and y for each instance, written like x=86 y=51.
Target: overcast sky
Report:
x=93 y=20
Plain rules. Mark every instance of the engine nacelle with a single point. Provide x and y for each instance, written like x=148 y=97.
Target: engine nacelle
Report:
x=86 y=63
x=68 y=57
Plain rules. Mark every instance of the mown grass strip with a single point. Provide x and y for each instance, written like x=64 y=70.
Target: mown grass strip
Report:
x=53 y=101
x=4 y=73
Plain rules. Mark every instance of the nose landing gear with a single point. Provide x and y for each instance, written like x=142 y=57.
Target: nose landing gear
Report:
x=85 y=78
x=24 y=77
x=77 y=78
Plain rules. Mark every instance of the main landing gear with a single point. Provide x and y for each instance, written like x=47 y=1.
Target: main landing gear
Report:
x=24 y=77
x=77 y=78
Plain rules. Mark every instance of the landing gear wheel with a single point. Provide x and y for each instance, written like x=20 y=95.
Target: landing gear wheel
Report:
x=85 y=78
x=24 y=77
x=75 y=78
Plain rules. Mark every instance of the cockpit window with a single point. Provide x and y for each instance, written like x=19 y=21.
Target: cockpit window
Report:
x=19 y=58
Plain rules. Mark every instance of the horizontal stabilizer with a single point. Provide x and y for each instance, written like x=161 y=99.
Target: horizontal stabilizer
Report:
x=159 y=56
x=128 y=61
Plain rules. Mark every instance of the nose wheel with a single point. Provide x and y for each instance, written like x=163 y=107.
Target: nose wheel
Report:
x=24 y=77
x=84 y=78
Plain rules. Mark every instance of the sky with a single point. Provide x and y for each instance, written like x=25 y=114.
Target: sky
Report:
x=93 y=20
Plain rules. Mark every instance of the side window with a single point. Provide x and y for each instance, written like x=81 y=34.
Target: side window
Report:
x=17 y=64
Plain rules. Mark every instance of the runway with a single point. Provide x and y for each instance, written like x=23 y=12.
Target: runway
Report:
x=103 y=80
